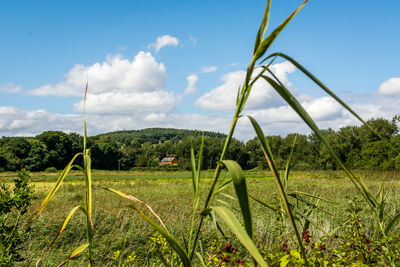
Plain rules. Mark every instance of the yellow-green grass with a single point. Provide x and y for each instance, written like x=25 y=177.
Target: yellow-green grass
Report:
x=118 y=227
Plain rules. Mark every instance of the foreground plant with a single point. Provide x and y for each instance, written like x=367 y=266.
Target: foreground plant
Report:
x=258 y=68
x=14 y=205
x=86 y=208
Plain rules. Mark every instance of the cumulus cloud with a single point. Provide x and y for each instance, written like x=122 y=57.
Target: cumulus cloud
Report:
x=191 y=87
x=162 y=41
x=127 y=103
x=223 y=97
x=390 y=87
x=117 y=86
x=207 y=69
x=11 y=88
x=17 y=122
x=142 y=74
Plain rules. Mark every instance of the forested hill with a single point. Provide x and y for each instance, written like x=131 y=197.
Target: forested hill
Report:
x=356 y=146
x=154 y=135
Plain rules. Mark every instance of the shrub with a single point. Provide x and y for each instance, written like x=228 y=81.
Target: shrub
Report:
x=14 y=204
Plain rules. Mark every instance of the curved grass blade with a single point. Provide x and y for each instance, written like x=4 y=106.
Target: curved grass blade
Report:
x=308 y=203
x=201 y=259
x=74 y=253
x=292 y=101
x=66 y=220
x=122 y=194
x=271 y=163
x=326 y=89
x=240 y=233
x=59 y=181
x=313 y=196
x=264 y=204
x=301 y=214
x=173 y=243
x=223 y=186
x=392 y=223
x=239 y=183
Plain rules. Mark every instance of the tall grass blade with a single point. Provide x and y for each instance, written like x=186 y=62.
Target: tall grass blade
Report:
x=239 y=183
x=57 y=185
x=74 y=253
x=122 y=194
x=289 y=161
x=64 y=224
x=88 y=181
x=199 y=163
x=268 y=155
x=263 y=26
x=267 y=42
x=240 y=233
x=194 y=169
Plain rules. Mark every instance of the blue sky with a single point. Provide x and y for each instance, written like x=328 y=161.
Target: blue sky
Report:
x=188 y=78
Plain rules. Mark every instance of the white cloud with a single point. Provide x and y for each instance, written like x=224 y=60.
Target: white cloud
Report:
x=127 y=103
x=191 y=87
x=18 y=122
x=163 y=41
x=223 y=97
x=117 y=86
x=390 y=87
x=11 y=88
x=142 y=74
x=207 y=69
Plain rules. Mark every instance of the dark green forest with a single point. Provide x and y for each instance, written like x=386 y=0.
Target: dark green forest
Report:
x=357 y=147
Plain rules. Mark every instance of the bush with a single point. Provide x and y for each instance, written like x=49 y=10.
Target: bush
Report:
x=14 y=204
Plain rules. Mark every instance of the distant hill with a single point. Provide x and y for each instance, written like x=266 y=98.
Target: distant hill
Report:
x=154 y=135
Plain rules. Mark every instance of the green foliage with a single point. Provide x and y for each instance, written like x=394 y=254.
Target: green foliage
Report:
x=14 y=205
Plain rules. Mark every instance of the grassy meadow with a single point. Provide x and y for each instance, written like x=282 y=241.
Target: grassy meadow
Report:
x=119 y=227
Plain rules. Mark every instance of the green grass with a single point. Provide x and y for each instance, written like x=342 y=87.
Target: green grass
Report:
x=119 y=227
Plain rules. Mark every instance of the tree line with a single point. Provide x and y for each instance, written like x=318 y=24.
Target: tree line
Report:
x=357 y=147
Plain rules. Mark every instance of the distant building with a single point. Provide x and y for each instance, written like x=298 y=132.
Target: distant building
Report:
x=169 y=160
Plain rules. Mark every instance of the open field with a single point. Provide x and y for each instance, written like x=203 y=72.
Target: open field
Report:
x=118 y=227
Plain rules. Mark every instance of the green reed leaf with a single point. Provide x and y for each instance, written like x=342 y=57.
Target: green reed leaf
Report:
x=240 y=233
x=263 y=26
x=298 y=108
x=239 y=183
x=122 y=194
x=271 y=163
x=170 y=239
x=64 y=224
x=74 y=253
x=57 y=185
